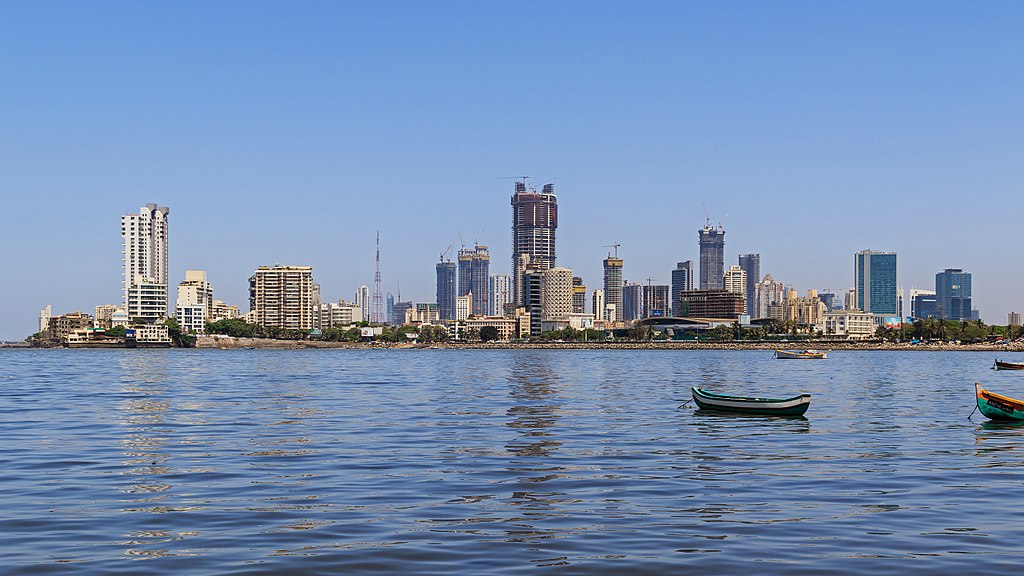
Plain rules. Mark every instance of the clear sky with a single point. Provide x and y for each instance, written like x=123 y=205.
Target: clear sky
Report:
x=290 y=132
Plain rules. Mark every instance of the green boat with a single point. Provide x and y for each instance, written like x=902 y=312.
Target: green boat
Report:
x=795 y=406
x=999 y=407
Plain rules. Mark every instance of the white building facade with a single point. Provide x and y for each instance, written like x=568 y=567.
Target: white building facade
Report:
x=145 y=262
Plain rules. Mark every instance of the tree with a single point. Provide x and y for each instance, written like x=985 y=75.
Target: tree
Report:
x=489 y=333
x=115 y=332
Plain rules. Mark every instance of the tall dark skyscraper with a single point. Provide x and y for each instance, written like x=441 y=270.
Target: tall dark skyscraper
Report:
x=874 y=275
x=953 y=294
x=712 y=258
x=446 y=290
x=751 y=264
x=682 y=280
x=534 y=220
x=474 y=277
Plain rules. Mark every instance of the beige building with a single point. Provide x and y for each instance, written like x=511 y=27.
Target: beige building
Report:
x=508 y=328
x=597 y=305
x=1013 y=319
x=194 y=307
x=853 y=324
x=284 y=297
x=150 y=335
x=103 y=314
x=463 y=306
x=145 y=262
x=556 y=293
x=59 y=327
x=805 y=311
x=766 y=293
x=219 y=310
x=735 y=279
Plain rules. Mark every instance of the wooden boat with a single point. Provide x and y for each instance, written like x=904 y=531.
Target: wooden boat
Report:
x=801 y=354
x=1009 y=365
x=999 y=407
x=794 y=406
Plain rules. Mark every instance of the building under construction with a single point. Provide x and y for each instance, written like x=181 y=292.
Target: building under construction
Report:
x=534 y=220
x=474 y=277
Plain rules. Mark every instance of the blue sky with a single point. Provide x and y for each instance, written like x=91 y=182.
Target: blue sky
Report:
x=282 y=133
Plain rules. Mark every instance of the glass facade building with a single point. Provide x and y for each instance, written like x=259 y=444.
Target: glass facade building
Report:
x=875 y=281
x=953 y=294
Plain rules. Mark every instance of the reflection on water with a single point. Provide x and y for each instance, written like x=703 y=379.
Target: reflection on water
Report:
x=361 y=461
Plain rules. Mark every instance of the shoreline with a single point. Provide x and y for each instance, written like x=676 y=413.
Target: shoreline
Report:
x=220 y=342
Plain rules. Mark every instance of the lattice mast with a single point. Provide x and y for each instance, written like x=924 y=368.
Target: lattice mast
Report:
x=377 y=312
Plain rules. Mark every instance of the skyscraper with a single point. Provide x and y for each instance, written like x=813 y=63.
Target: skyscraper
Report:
x=613 y=285
x=712 y=257
x=534 y=220
x=953 y=294
x=363 y=300
x=597 y=303
x=145 y=262
x=532 y=298
x=682 y=280
x=446 y=290
x=874 y=275
x=500 y=293
x=751 y=264
x=474 y=277
x=632 y=301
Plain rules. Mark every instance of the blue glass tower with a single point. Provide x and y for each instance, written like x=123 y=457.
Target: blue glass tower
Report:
x=875 y=281
x=953 y=294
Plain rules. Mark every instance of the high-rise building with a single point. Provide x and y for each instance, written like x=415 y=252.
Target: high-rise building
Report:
x=655 y=300
x=735 y=280
x=850 y=299
x=1013 y=319
x=446 y=290
x=682 y=280
x=499 y=293
x=194 y=307
x=953 y=294
x=285 y=297
x=923 y=304
x=766 y=293
x=613 y=285
x=632 y=301
x=597 y=303
x=534 y=221
x=751 y=264
x=474 y=276
x=363 y=300
x=44 y=318
x=874 y=276
x=556 y=293
x=712 y=257
x=532 y=298
x=389 y=305
x=828 y=299
x=579 y=296
x=145 y=262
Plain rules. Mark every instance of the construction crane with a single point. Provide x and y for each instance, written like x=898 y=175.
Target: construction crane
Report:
x=446 y=251
x=461 y=242
x=615 y=246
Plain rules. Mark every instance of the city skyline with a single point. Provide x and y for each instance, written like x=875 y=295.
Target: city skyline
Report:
x=793 y=142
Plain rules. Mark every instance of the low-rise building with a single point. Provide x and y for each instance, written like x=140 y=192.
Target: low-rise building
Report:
x=219 y=310
x=507 y=327
x=59 y=327
x=148 y=336
x=852 y=324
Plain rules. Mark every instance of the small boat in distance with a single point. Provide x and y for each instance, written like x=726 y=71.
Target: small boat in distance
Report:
x=999 y=407
x=795 y=406
x=801 y=354
x=1008 y=365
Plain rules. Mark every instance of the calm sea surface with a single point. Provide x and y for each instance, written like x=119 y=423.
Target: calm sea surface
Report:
x=441 y=461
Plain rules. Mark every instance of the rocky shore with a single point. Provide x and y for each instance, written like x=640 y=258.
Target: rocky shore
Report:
x=224 y=342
